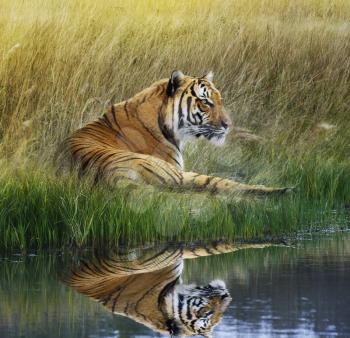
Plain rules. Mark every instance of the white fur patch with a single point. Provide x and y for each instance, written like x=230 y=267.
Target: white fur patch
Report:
x=217 y=283
x=218 y=141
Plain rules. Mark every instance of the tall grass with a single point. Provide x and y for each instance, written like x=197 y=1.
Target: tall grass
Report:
x=38 y=211
x=283 y=68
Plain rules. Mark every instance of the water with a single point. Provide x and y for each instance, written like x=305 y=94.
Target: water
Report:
x=276 y=292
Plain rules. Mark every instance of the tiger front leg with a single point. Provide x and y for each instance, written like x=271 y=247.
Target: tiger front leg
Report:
x=219 y=185
x=147 y=169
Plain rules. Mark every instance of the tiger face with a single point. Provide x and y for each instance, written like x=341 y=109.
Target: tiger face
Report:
x=199 y=308
x=198 y=109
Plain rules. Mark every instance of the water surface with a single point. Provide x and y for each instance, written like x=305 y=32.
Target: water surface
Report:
x=276 y=291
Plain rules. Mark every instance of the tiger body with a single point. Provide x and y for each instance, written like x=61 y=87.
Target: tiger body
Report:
x=142 y=138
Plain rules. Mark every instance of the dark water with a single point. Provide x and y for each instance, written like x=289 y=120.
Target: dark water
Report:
x=276 y=292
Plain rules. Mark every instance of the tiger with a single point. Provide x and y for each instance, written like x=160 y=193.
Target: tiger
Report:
x=142 y=139
x=147 y=288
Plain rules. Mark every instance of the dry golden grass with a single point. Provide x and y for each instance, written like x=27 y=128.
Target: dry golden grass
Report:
x=282 y=66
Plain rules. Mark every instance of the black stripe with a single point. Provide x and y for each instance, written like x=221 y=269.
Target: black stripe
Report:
x=121 y=290
x=209 y=103
x=167 y=133
x=199 y=117
x=118 y=174
x=80 y=147
x=188 y=312
x=126 y=109
x=107 y=121
x=148 y=129
x=106 y=161
x=179 y=308
x=210 y=178
x=167 y=288
x=115 y=117
x=169 y=88
x=120 y=132
x=142 y=298
x=94 y=137
x=126 y=308
x=169 y=256
x=180 y=102
x=175 y=172
x=126 y=159
x=171 y=176
x=156 y=255
x=105 y=267
x=96 y=158
x=145 y=98
x=156 y=285
x=153 y=136
x=153 y=173
x=189 y=101
x=176 y=161
x=173 y=113
x=86 y=160
x=214 y=186
x=209 y=250
x=125 y=140
x=193 y=92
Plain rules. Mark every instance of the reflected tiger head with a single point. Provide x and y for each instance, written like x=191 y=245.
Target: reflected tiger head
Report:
x=198 y=109
x=198 y=308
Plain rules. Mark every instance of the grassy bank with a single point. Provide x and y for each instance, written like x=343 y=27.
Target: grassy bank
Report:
x=40 y=211
x=284 y=72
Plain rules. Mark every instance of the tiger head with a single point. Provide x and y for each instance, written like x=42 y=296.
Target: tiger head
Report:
x=197 y=108
x=198 y=308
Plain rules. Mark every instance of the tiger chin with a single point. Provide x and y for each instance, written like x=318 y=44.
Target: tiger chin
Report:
x=142 y=138
x=199 y=308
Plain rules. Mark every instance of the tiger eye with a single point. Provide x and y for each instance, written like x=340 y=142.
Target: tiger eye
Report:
x=203 y=106
x=203 y=311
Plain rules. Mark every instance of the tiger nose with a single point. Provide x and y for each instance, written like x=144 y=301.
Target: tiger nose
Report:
x=226 y=123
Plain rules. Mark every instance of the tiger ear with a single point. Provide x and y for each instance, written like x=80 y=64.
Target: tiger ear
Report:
x=209 y=76
x=175 y=82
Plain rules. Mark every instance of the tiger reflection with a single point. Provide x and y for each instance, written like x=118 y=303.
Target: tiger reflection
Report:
x=149 y=290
